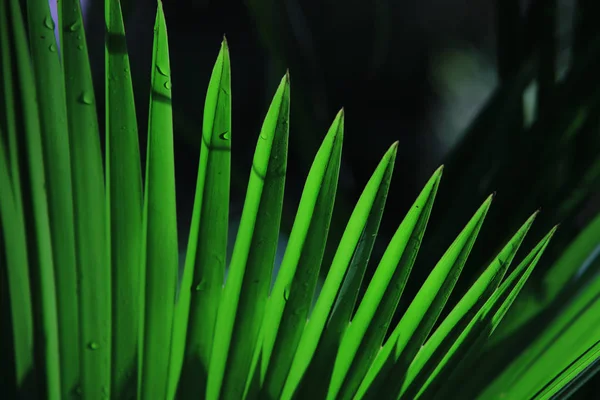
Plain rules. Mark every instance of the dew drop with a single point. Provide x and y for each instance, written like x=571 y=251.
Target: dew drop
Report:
x=263 y=136
x=49 y=23
x=80 y=47
x=93 y=346
x=200 y=286
x=74 y=26
x=286 y=293
x=52 y=48
x=86 y=98
x=224 y=135
x=162 y=71
x=126 y=69
x=168 y=85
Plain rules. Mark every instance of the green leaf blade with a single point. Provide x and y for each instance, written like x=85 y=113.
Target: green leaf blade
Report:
x=160 y=256
x=12 y=221
x=452 y=370
x=89 y=201
x=124 y=203
x=57 y=165
x=368 y=211
x=291 y=297
x=246 y=290
x=364 y=336
x=204 y=270
x=571 y=378
x=444 y=337
x=35 y=207
x=19 y=287
x=387 y=371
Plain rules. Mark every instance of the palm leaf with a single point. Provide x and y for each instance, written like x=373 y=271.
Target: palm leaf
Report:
x=571 y=334
x=363 y=221
x=16 y=269
x=291 y=297
x=26 y=145
x=321 y=364
x=565 y=384
x=89 y=202
x=436 y=347
x=118 y=325
x=245 y=294
x=460 y=358
x=204 y=271
x=124 y=202
x=414 y=327
x=160 y=255
x=367 y=329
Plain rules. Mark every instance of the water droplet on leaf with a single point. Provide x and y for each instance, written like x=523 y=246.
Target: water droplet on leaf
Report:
x=49 y=23
x=93 y=346
x=52 y=48
x=168 y=85
x=162 y=71
x=200 y=286
x=74 y=26
x=224 y=135
x=86 y=98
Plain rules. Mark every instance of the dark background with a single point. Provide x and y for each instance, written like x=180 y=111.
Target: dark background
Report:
x=383 y=61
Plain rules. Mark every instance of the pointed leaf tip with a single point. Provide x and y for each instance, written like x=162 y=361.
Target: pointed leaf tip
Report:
x=287 y=74
x=339 y=132
x=224 y=42
x=393 y=150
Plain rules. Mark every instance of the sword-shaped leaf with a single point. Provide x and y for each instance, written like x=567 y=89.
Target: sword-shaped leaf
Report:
x=389 y=368
x=364 y=335
x=204 y=270
x=89 y=201
x=248 y=281
x=160 y=254
x=454 y=324
x=124 y=198
x=292 y=294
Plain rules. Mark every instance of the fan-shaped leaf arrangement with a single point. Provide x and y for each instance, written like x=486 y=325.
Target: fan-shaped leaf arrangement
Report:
x=92 y=305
